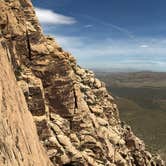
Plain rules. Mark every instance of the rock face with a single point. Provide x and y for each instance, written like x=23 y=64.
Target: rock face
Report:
x=77 y=120
x=19 y=143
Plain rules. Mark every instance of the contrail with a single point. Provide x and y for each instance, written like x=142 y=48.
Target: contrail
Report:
x=116 y=27
x=125 y=31
x=129 y=34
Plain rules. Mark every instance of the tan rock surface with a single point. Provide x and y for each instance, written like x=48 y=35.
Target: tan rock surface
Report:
x=77 y=120
x=19 y=143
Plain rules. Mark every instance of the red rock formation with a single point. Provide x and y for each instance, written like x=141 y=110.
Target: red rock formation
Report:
x=77 y=120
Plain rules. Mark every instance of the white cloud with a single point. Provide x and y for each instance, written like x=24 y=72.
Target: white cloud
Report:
x=49 y=17
x=144 y=46
x=82 y=46
x=116 y=53
x=70 y=42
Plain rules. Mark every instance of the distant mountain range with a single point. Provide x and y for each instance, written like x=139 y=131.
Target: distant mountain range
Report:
x=134 y=79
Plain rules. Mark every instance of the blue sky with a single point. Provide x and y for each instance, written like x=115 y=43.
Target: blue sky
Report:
x=108 y=34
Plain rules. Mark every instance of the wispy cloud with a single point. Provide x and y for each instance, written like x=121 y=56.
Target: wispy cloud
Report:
x=88 y=26
x=49 y=17
x=144 y=46
x=111 y=47
x=120 y=53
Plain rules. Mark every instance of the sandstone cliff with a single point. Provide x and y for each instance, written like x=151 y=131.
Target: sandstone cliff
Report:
x=77 y=120
x=19 y=143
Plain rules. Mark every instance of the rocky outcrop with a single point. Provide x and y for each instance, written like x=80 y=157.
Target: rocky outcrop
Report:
x=77 y=120
x=19 y=143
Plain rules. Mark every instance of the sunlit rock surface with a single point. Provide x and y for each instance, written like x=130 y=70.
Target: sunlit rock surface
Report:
x=76 y=118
